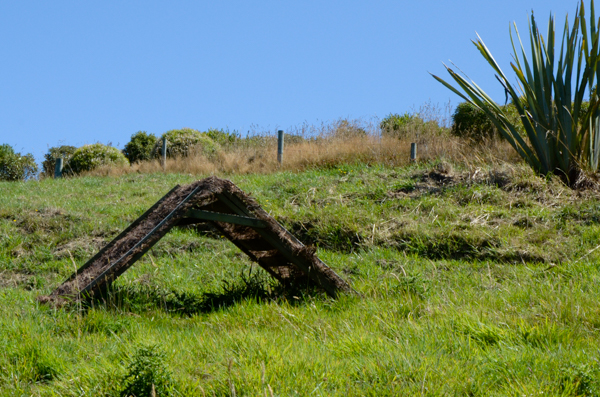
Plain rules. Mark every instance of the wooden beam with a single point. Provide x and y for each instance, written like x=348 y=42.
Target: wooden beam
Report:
x=227 y=218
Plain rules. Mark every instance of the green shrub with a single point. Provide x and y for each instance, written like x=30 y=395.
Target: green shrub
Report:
x=49 y=163
x=139 y=148
x=90 y=157
x=585 y=106
x=400 y=125
x=184 y=142
x=222 y=137
x=472 y=123
x=14 y=166
x=147 y=369
x=394 y=123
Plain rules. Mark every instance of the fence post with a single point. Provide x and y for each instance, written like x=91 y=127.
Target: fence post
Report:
x=58 y=167
x=280 y=146
x=164 y=154
x=413 y=152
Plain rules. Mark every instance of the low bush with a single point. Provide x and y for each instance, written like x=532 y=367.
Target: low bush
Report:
x=472 y=123
x=139 y=148
x=14 y=166
x=222 y=137
x=49 y=163
x=184 y=142
x=395 y=122
x=147 y=374
x=399 y=126
x=89 y=157
x=585 y=106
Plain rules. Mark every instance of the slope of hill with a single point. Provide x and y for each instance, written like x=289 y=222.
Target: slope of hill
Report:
x=471 y=281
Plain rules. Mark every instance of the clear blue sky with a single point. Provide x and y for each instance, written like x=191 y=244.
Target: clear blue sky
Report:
x=79 y=72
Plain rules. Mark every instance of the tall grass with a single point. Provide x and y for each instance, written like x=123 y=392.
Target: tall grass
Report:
x=343 y=141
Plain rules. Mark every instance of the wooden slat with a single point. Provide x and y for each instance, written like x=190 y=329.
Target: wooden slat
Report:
x=255 y=244
x=121 y=235
x=131 y=260
x=320 y=279
x=227 y=218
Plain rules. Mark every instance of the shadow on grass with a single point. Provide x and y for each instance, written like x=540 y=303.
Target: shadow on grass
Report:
x=141 y=298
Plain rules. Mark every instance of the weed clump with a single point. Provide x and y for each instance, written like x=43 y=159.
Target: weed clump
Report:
x=33 y=364
x=147 y=374
x=414 y=284
x=579 y=380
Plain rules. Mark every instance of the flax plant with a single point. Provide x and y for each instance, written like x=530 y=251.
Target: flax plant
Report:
x=560 y=136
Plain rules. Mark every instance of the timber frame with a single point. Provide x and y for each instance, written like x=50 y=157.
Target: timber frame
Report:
x=224 y=206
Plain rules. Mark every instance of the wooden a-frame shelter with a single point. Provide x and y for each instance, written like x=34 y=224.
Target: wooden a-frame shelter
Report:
x=233 y=213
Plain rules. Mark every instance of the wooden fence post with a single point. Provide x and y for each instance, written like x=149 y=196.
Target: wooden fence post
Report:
x=58 y=167
x=280 y=146
x=164 y=154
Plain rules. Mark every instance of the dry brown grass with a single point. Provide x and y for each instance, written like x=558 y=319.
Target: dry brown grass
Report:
x=339 y=142
x=330 y=151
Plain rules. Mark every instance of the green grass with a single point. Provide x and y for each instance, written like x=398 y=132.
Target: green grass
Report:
x=471 y=282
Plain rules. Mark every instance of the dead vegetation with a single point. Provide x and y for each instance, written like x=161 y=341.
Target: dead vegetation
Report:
x=19 y=280
x=389 y=151
x=333 y=144
x=80 y=247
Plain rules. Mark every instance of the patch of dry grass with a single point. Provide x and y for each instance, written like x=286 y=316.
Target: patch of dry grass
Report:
x=330 y=144
x=329 y=151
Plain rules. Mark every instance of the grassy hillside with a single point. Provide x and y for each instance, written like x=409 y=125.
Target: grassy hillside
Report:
x=471 y=282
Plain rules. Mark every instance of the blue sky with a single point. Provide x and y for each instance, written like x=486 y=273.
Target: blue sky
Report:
x=98 y=71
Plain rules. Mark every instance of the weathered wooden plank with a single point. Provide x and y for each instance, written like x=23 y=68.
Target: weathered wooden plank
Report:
x=113 y=267
x=140 y=219
x=227 y=218
x=279 y=244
